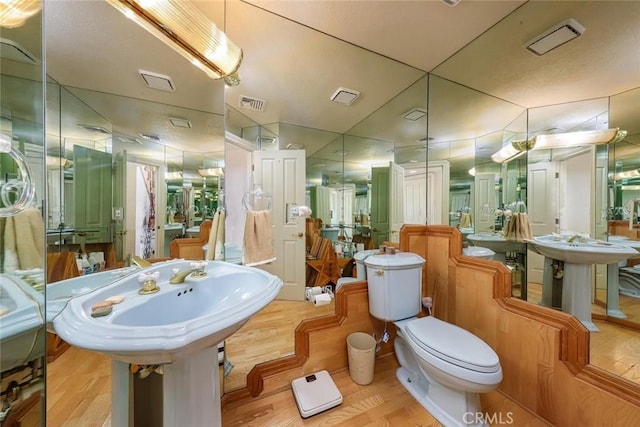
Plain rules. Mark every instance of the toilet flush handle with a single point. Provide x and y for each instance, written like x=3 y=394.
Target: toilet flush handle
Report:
x=379 y=272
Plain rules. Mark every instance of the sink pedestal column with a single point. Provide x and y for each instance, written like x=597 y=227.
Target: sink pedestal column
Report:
x=613 y=292
x=576 y=293
x=190 y=390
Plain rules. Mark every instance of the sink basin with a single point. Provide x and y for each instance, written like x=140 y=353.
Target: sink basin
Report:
x=582 y=251
x=174 y=322
x=59 y=293
x=22 y=333
x=496 y=242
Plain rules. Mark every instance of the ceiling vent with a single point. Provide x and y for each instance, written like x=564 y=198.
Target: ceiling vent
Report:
x=149 y=137
x=555 y=36
x=253 y=104
x=98 y=129
x=157 y=81
x=345 y=96
x=451 y=2
x=266 y=140
x=295 y=146
x=180 y=123
x=415 y=114
x=12 y=50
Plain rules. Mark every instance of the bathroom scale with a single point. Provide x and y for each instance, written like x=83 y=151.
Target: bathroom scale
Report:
x=315 y=393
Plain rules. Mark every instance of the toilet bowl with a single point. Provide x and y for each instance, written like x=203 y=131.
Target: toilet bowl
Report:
x=478 y=252
x=443 y=366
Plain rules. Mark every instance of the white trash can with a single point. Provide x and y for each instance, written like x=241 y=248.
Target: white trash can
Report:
x=361 y=349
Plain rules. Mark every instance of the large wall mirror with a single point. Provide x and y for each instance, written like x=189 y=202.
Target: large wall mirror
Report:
x=416 y=150
x=22 y=209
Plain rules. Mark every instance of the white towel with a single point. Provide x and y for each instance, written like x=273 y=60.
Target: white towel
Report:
x=258 y=239
x=216 y=237
x=24 y=241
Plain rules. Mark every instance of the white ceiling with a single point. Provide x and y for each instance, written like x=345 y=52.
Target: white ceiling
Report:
x=297 y=53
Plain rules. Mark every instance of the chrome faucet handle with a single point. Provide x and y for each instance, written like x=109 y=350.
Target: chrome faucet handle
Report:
x=149 y=283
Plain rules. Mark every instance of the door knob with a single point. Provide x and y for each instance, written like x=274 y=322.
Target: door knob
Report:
x=300 y=234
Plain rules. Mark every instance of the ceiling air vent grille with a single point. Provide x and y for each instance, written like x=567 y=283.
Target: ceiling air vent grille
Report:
x=253 y=104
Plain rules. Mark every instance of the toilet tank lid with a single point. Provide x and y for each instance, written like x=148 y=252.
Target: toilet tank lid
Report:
x=399 y=259
x=362 y=255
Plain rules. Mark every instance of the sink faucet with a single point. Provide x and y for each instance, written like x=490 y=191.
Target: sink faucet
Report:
x=142 y=263
x=197 y=271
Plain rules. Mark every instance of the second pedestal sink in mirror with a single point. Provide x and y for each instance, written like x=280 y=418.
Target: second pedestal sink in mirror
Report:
x=578 y=254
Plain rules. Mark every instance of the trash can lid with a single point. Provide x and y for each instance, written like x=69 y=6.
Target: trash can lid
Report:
x=399 y=259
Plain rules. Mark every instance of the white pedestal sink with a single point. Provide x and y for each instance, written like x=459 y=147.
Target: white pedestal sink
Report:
x=497 y=243
x=178 y=327
x=578 y=255
x=613 y=277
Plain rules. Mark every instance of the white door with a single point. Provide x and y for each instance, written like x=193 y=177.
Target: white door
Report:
x=396 y=198
x=415 y=199
x=542 y=211
x=484 y=202
x=438 y=192
x=282 y=173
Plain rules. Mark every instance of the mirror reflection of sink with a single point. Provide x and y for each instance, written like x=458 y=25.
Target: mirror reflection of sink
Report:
x=578 y=250
x=496 y=242
x=157 y=328
x=178 y=327
x=577 y=254
x=22 y=334
x=59 y=293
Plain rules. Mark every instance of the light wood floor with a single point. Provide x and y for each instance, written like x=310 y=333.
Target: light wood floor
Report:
x=614 y=348
x=271 y=336
x=79 y=384
x=79 y=388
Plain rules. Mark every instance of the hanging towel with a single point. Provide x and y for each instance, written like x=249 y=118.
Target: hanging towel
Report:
x=258 y=239
x=465 y=220
x=24 y=241
x=215 y=244
x=213 y=237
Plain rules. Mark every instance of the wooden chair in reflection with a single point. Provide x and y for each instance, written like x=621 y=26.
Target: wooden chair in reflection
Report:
x=322 y=269
x=191 y=247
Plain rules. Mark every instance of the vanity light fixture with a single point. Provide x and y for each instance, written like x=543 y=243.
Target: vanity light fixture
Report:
x=572 y=139
x=183 y=27
x=209 y=172
x=559 y=140
x=555 y=36
x=14 y=13
x=472 y=171
x=635 y=173
x=510 y=151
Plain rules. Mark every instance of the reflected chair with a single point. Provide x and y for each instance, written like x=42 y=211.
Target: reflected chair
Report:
x=191 y=248
x=324 y=269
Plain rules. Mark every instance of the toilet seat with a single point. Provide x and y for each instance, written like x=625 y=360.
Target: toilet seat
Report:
x=452 y=344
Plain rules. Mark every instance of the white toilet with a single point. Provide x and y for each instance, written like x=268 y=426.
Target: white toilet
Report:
x=443 y=366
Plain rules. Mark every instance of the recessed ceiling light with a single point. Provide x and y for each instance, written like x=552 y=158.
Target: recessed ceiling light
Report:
x=414 y=114
x=345 y=96
x=555 y=36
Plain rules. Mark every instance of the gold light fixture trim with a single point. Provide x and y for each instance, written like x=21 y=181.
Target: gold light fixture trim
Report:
x=559 y=140
x=183 y=27
x=14 y=13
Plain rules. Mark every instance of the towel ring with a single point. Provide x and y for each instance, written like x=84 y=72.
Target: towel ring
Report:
x=256 y=199
x=26 y=184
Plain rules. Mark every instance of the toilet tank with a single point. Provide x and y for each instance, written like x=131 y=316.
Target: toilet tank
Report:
x=395 y=285
x=361 y=269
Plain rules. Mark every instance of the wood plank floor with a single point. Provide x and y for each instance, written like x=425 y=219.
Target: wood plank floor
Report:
x=79 y=384
x=79 y=388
